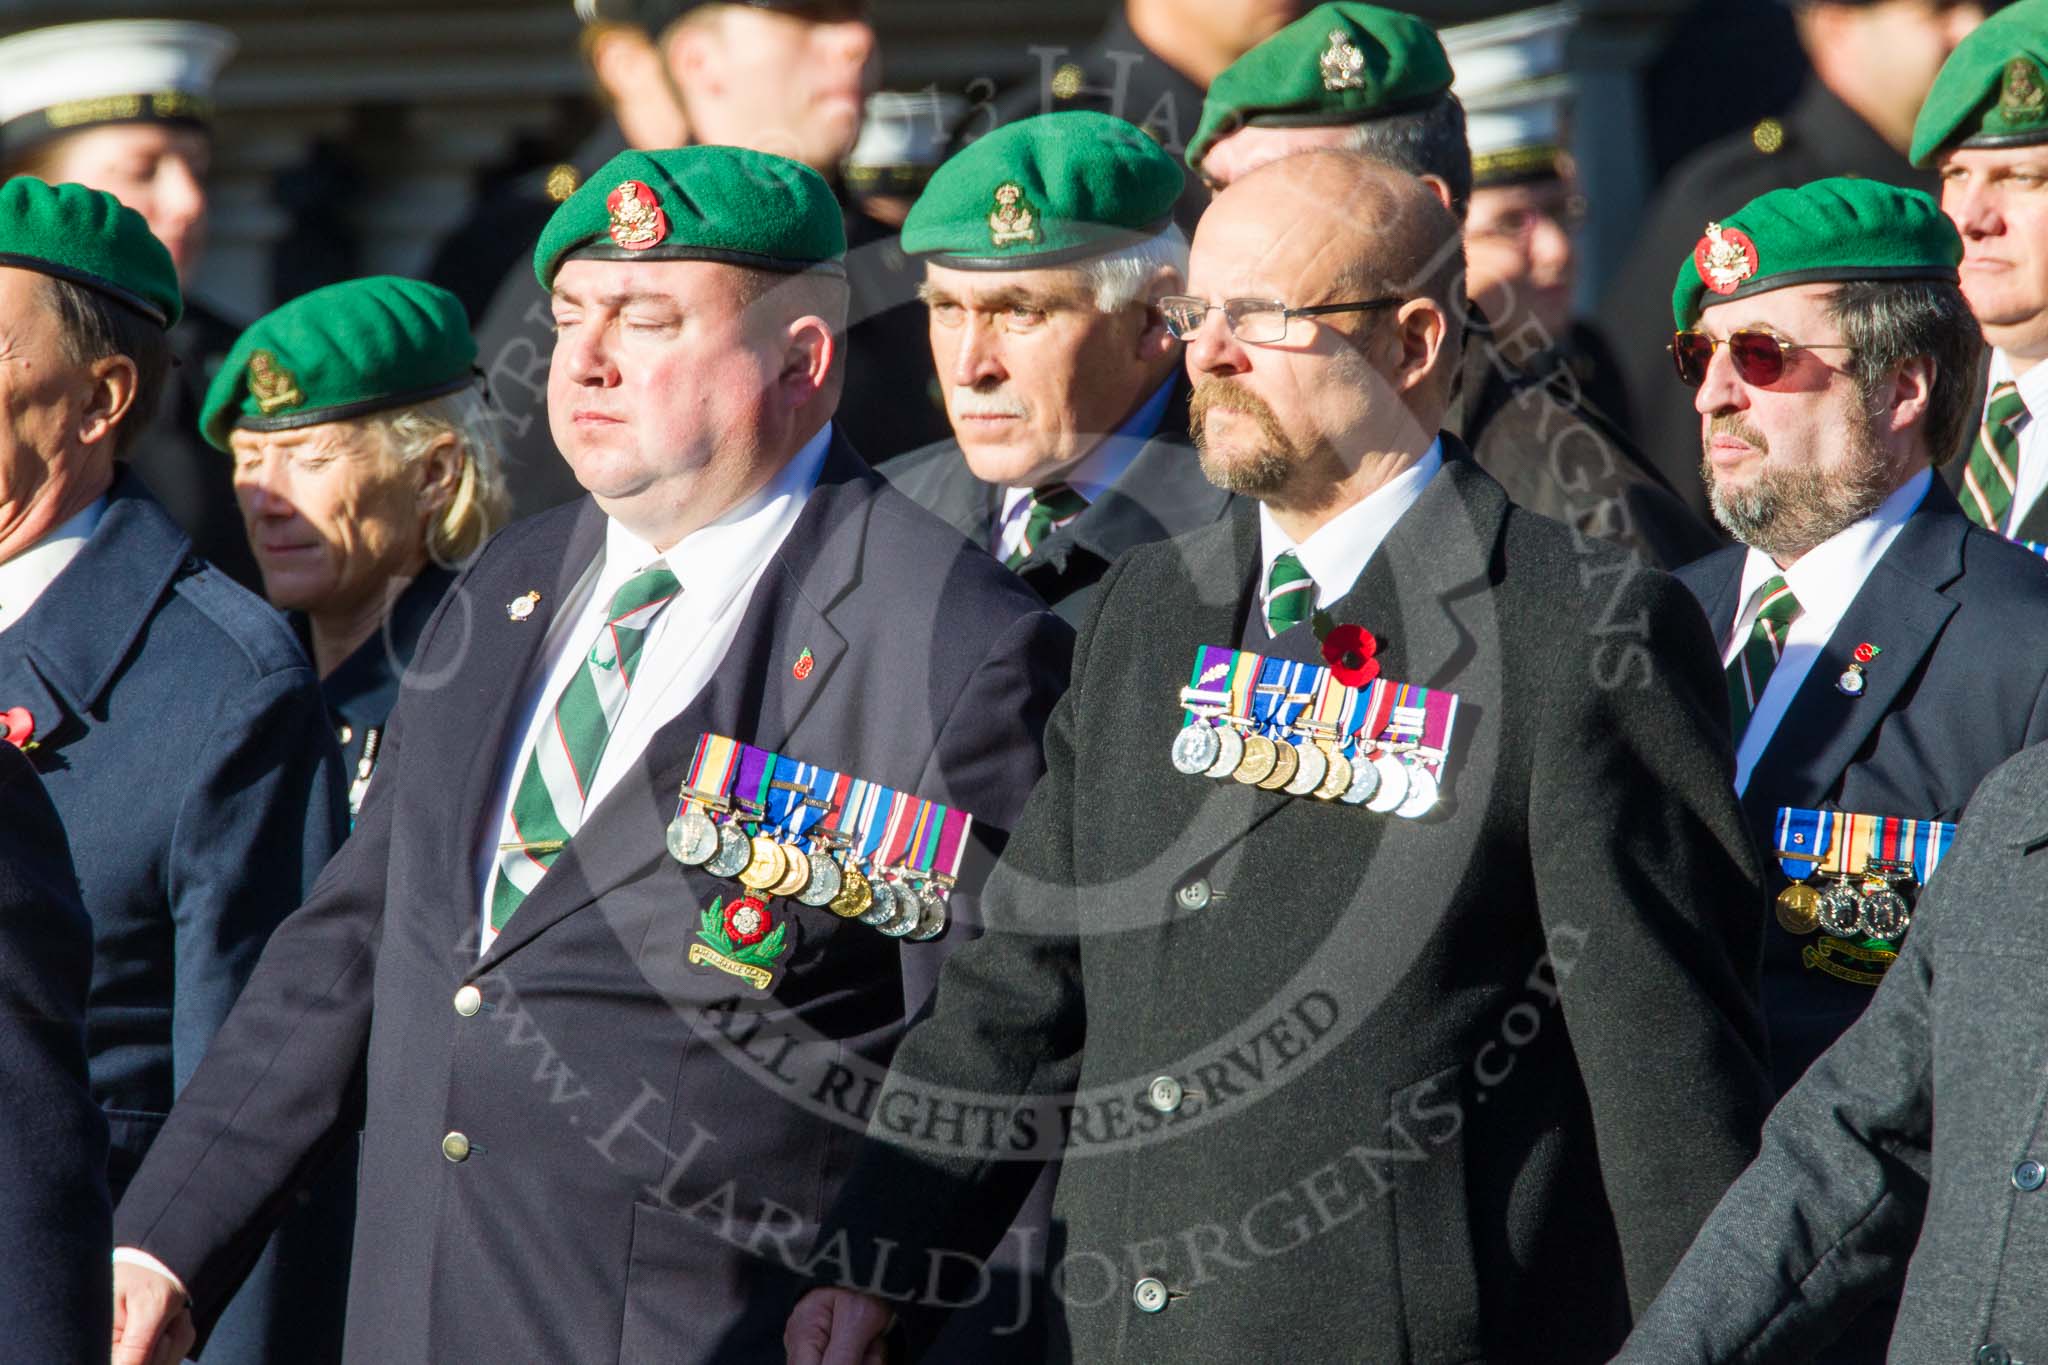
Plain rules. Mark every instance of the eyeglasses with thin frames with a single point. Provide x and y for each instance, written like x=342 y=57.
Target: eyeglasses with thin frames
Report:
x=1256 y=322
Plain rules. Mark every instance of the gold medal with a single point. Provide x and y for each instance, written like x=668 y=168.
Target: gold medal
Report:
x=1286 y=762
x=1260 y=756
x=1338 y=780
x=766 y=867
x=798 y=877
x=1799 y=908
x=855 y=895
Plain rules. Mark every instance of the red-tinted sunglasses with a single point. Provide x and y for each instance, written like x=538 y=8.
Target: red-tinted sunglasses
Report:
x=1759 y=357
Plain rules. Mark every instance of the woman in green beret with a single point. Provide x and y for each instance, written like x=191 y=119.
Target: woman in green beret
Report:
x=368 y=469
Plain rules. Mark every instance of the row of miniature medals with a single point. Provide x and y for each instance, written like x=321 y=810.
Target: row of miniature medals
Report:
x=1869 y=864
x=781 y=827
x=1305 y=730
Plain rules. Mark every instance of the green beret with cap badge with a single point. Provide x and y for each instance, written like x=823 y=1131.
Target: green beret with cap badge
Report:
x=1826 y=230
x=1993 y=89
x=1337 y=64
x=725 y=204
x=89 y=237
x=346 y=350
x=1044 y=190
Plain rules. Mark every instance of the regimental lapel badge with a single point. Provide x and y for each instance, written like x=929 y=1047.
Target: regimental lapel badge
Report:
x=1852 y=682
x=519 y=608
x=272 y=384
x=2021 y=97
x=803 y=666
x=1725 y=257
x=1342 y=64
x=1013 y=220
x=637 y=221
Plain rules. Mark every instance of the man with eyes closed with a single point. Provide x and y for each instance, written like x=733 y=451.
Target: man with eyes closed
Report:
x=1046 y=245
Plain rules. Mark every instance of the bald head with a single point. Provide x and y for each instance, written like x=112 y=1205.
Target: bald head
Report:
x=1340 y=401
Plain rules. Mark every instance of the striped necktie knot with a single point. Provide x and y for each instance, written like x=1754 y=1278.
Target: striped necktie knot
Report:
x=1052 y=507
x=1776 y=610
x=1290 y=593
x=1992 y=475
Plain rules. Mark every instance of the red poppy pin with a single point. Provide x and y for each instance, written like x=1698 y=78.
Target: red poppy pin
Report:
x=1349 y=650
x=21 y=727
x=1866 y=652
x=803 y=666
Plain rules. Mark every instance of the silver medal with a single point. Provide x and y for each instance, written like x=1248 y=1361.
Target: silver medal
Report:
x=1422 y=794
x=1365 y=781
x=1885 y=915
x=735 y=851
x=909 y=913
x=1195 y=748
x=1229 y=752
x=931 y=918
x=692 y=838
x=826 y=882
x=1840 y=910
x=1315 y=766
x=886 y=903
x=1394 y=784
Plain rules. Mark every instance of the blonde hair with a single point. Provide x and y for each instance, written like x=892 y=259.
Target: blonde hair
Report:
x=480 y=504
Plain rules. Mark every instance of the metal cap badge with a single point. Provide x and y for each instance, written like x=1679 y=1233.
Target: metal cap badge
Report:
x=637 y=221
x=1725 y=257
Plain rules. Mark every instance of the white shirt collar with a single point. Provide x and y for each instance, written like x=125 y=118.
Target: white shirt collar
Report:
x=716 y=560
x=1826 y=579
x=2033 y=385
x=25 y=577
x=1342 y=546
x=1097 y=472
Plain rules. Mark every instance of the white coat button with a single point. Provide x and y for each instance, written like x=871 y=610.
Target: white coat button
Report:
x=468 y=1001
x=1149 y=1294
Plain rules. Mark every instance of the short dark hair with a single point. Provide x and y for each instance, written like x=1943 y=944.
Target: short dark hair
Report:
x=1888 y=322
x=94 y=327
x=1427 y=141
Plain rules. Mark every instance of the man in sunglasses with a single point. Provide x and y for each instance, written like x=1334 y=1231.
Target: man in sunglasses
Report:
x=1882 y=653
x=1361 y=78
x=1352 y=1086
x=1984 y=129
x=1046 y=247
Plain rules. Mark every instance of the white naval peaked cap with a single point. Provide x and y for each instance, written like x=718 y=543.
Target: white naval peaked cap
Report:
x=77 y=76
x=1511 y=75
x=903 y=139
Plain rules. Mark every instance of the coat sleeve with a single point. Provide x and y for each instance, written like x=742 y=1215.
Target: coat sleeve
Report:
x=263 y=814
x=53 y=1138
x=1652 y=899
x=1820 y=1225
x=280 y=1085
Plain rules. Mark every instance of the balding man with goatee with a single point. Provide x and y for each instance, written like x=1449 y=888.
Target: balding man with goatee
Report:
x=1450 y=1069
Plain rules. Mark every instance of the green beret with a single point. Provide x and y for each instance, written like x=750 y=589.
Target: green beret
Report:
x=1337 y=64
x=1839 y=229
x=349 y=349
x=1993 y=89
x=724 y=204
x=1044 y=190
x=90 y=238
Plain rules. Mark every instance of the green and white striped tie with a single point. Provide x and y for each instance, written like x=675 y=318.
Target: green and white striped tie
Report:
x=1290 y=595
x=1992 y=475
x=1752 y=668
x=547 y=807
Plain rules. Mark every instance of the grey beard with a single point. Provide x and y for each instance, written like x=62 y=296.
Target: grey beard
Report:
x=1789 y=511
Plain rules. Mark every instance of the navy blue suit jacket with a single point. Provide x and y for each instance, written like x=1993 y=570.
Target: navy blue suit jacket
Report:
x=648 y=1145
x=1960 y=617
x=181 y=736
x=54 y=1219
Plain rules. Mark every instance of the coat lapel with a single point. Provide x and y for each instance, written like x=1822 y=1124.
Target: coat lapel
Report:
x=754 y=694
x=1901 y=610
x=938 y=479
x=1716 y=582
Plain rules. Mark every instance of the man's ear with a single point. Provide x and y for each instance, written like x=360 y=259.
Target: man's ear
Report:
x=440 y=471
x=113 y=383
x=807 y=362
x=1155 y=342
x=1423 y=329
x=690 y=51
x=1912 y=392
x=1441 y=188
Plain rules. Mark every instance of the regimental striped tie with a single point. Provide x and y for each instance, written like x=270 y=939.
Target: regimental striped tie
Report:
x=1052 y=507
x=1994 y=469
x=1290 y=593
x=547 y=807
x=1752 y=667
